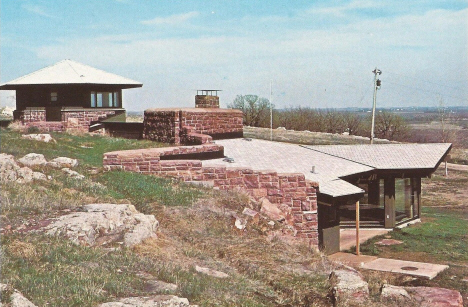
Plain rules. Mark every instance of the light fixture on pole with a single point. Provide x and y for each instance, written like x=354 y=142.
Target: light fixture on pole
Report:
x=377 y=84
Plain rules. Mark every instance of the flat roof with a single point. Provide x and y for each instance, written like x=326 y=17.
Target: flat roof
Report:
x=70 y=72
x=330 y=163
x=390 y=156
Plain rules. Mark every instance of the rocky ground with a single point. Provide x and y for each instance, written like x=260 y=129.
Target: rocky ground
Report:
x=223 y=249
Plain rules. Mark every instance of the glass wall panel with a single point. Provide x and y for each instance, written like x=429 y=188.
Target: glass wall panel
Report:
x=403 y=200
x=93 y=99
x=99 y=100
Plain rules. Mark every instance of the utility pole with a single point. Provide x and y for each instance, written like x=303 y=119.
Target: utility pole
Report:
x=271 y=113
x=376 y=87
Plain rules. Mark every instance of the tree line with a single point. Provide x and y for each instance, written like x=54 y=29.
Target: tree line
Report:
x=256 y=112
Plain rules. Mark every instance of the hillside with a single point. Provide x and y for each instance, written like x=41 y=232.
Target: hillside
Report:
x=197 y=228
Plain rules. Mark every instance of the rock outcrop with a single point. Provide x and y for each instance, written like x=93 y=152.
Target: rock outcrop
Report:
x=16 y=299
x=11 y=171
x=211 y=272
x=44 y=137
x=152 y=301
x=435 y=297
x=99 y=224
x=349 y=288
x=33 y=159
x=63 y=162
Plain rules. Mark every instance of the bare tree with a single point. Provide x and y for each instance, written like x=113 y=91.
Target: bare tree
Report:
x=256 y=109
x=447 y=133
x=353 y=122
x=390 y=126
x=334 y=121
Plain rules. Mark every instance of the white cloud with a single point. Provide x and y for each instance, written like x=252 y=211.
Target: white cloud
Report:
x=343 y=10
x=171 y=20
x=320 y=68
x=38 y=10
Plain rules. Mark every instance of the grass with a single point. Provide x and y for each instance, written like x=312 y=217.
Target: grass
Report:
x=196 y=228
x=143 y=191
x=440 y=238
x=89 y=149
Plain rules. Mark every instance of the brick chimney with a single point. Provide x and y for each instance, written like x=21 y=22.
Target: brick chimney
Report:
x=207 y=99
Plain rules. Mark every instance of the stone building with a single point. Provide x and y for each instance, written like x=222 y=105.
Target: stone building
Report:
x=69 y=95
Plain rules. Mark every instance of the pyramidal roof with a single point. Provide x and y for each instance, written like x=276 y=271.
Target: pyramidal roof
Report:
x=70 y=72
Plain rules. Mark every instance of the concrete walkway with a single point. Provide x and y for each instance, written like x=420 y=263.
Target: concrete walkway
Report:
x=348 y=236
x=412 y=268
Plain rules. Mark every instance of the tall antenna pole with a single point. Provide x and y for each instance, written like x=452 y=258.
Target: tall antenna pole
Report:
x=271 y=113
x=376 y=87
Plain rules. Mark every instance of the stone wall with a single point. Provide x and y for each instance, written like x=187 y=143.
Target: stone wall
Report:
x=191 y=125
x=206 y=101
x=72 y=119
x=162 y=126
x=293 y=194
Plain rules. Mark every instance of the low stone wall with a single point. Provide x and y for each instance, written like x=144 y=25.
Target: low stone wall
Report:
x=293 y=194
x=81 y=119
x=73 y=119
x=192 y=125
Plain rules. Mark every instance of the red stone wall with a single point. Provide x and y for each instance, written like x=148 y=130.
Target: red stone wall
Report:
x=81 y=120
x=212 y=121
x=74 y=119
x=191 y=125
x=162 y=126
x=293 y=194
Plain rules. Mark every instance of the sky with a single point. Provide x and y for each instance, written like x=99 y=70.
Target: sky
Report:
x=317 y=54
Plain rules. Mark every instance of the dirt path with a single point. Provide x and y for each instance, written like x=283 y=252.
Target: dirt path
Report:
x=456 y=167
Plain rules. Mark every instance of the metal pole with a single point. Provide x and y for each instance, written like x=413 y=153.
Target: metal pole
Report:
x=357 y=229
x=376 y=72
x=271 y=113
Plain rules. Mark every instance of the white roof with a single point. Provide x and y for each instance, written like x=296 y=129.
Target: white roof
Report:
x=264 y=155
x=331 y=162
x=70 y=72
x=389 y=156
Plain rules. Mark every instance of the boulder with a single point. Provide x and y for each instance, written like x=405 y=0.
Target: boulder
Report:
x=435 y=297
x=40 y=137
x=99 y=224
x=252 y=214
x=348 y=288
x=8 y=168
x=271 y=210
x=151 y=301
x=72 y=174
x=11 y=171
x=62 y=162
x=394 y=295
x=16 y=298
x=33 y=159
x=210 y=272
x=157 y=286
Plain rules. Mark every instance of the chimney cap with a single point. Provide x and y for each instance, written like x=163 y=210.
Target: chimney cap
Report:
x=208 y=92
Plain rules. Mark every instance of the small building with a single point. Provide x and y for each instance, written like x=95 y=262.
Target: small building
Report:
x=317 y=187
x=69 y=95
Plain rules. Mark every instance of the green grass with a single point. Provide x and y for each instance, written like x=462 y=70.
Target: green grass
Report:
x=143 y=190
x=64 y=274
x=443 y=235
x=88 y=149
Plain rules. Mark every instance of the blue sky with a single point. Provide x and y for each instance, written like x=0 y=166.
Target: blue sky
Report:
x=316 y=53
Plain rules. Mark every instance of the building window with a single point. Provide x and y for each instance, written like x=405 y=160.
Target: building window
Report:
x=105 y=100
x=53 y=96
x=93 y=99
